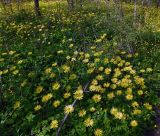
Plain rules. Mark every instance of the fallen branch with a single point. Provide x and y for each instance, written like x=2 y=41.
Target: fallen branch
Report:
x=66 y=116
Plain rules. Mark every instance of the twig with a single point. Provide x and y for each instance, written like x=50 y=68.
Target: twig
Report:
x=66 y=116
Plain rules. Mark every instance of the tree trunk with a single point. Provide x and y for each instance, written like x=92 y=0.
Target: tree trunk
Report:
x=135 y=10
x=158 y=3
x=37 y=9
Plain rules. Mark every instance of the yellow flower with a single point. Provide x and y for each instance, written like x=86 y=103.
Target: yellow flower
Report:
x=129 y=96
x=149 y=69
x=139 y=80
x=88 y=122
x=66 y=95
x=68 y=109
x=96 y=98
x=47 y=97
x=140 y=92
x=55 y=86
x=92 y=109
x=142 y=70
x=23 y=83
x=52 y=75
x=98 y=132
x=100 y=68
x=106 y=60
x=39 y=89
x=78 y=94
x=91 y=70
x=54 y=64
x=56 y=103
x=110 y=95
x=15 y=72
x=86 y=60
x=148 y=106
x=54 y=124
x=119 y=115
x=29 y=53
x=66 y=68
x=37 y=107
x=72 y=76
x=20 y=61
x=106 y=85
x=136 y=112
x=107 y=71
x=82 y=113
x=119 y=92
x=99 y=77
x=48 y=70
x=113 y=86
x=114 y=80
x=12 y=68
x=94 y=82
x=17 y=104
x=134 y=123
x=135 y=104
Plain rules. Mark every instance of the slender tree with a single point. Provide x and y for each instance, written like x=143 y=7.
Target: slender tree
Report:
x=37 y=8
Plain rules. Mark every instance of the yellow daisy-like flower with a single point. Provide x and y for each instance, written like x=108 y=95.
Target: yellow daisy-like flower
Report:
x=140 y=92
x=99 y=77
x=92 y=109
x=48 y=70
x=66 y=95
x=107 y=71
x=17 y=105
x=113 y=111
x=54 y=124
x=134 y=123
x=135 y=104
x=47 y=97
x=66 y=68
x=78 y=94
x=136 y=112
x=15 y=72
x=119 y=115
x=119 y=92
x=96 y=98
x=68 y=109
x=94 y=82
x=98 y=132
x=149 y=69
x=52 y=75
x=39 y=89
x=88 y=122
x=129 y=96
x=110 y=95
x=148 y=106
x=55 y=86
x=106 y=85
x=56 y=103
x=54 y=64
x=37 y=107
x=72 y=76
x=100 y=68
x=82 y=113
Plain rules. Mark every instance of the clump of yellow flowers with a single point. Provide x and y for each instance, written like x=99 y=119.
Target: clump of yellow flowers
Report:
x=89 y=87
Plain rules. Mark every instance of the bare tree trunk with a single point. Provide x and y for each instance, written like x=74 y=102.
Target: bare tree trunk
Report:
x=37 y=9
x=135 y=10
x=107 y=4
x=71 y=4
x=158 y=3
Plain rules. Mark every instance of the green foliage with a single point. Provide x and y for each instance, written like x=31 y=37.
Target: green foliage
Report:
x=49 y=63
